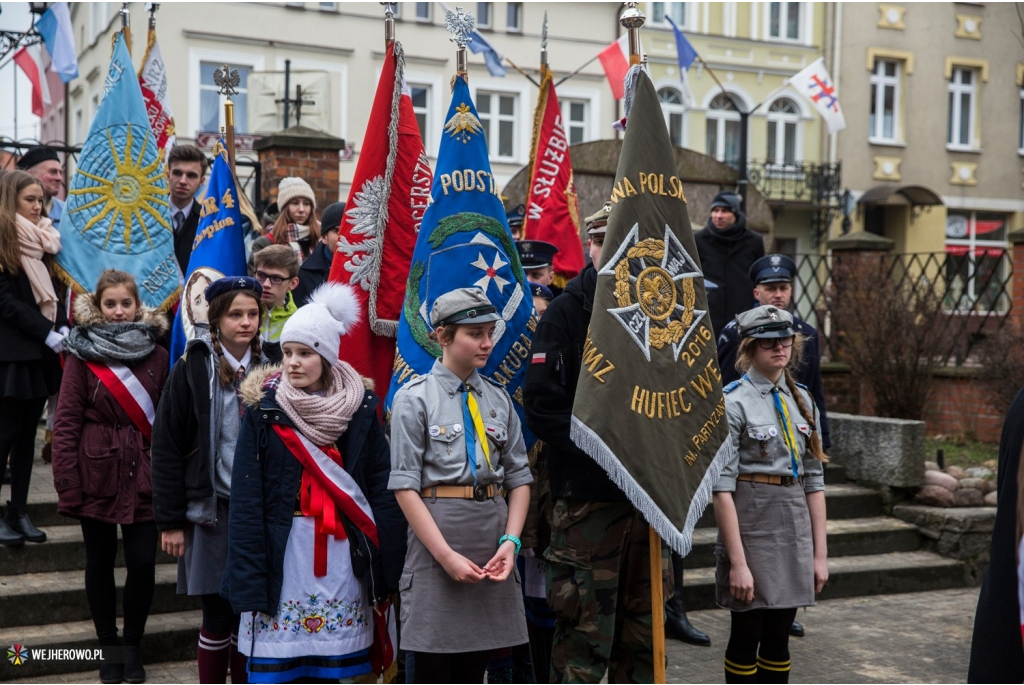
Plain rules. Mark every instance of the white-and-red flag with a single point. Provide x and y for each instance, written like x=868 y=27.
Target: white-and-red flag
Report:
x=390 y=192
x=32 y=59
x=615 y=61
x=153 y=79
x=815 y=84
x=552 y=212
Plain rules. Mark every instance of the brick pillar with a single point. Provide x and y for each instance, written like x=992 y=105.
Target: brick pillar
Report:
x=1016 y=239
x=858 y=260
x=303 y=152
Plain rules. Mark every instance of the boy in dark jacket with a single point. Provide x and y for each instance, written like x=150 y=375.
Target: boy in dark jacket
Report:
x=317 y=267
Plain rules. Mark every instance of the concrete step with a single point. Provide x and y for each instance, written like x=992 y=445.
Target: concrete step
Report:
x=855 y=576
x=846 y=537
x=64 y=550
x=835 y=474
x=32 y=598
x=842 y=501
x=169 y=637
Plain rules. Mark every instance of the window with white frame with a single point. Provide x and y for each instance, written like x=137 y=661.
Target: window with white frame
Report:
x=783 y=133
x=422 y=11
x=975 y=261
x=498 y=116
x=672 y=109
x=962 y=101
x=575 y=118
x=723 y=130
x=514 y=17
x=98 y=18
x=328 y=6
x=675 y=10
x=885 y=101
x=211 y=102
x=420 y=95
x=483 y=15
x=785 y=20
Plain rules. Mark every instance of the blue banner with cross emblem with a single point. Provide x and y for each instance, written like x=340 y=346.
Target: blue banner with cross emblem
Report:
x=465 y=242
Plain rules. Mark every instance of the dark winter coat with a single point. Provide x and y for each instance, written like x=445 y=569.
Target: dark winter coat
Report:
x=557 y=356
x=313 y=273
x=725 y=259
x=23 y=328
x=101 y=461
x=264 y=485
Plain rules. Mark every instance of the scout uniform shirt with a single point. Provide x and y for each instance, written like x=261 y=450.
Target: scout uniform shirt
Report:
x=428 y=435
x=757 y=431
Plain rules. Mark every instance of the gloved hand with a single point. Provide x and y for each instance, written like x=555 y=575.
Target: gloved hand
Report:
x=55 y=341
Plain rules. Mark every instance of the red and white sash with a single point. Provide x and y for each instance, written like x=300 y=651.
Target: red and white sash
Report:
x=129 y=393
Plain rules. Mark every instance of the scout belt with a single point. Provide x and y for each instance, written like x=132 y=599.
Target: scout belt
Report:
x=476 y=492
x=769 y=479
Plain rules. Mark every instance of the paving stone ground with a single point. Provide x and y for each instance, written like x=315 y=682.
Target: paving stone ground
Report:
x=910 y=638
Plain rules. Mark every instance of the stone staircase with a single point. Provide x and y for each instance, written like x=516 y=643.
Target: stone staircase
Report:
x=43 y=603
x=869 y=553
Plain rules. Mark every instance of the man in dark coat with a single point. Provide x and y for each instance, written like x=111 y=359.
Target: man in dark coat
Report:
x=727 y=248
x=315 y=270
x=186 y=167
x=997 y=655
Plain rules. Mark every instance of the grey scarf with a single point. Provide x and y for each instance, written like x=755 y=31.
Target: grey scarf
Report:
x=119 y=342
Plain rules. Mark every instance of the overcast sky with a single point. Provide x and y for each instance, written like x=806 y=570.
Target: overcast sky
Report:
x=16 y=17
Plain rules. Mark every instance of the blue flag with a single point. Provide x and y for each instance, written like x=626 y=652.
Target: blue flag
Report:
x=492 y=57
x=684 y=51
x=464 y=241
x=217 y=251
x=117 y=216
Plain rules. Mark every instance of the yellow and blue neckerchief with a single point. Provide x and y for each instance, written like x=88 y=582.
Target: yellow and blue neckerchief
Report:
x=788 y=434
x=475 y=430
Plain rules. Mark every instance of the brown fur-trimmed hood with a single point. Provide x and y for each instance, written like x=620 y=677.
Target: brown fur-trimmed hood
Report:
x=252 y=390
x=88 y=314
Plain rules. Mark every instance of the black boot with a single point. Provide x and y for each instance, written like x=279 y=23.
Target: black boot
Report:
x=18 y=520
x=8 y=536
x=112 y=666
x=133 y=669
x=677 y=625
x=796 y=629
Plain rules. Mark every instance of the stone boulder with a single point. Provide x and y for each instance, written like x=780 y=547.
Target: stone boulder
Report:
x=931 y=466
x=883 y=451
x=968 y=497
x=941 y=479
x=991 y=486
x=956 y=472
x=979 y=484
x=979 y=472
x=936 y=496
x=991 y=499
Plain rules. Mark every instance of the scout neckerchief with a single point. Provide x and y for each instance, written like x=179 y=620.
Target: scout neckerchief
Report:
x=788 y=435
x=475 y=432
x=119 y=380
x=325 y=483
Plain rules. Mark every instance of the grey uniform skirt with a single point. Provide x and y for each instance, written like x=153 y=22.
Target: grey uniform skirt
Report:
x=201 y=570
x=442 y=615
x=775 y=528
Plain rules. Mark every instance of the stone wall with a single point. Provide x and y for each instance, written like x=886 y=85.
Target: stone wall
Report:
x=886 y=452
x=963 y=533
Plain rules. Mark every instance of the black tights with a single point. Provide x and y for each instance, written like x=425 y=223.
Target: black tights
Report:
x=460 y=667
x=758 y=650
x=218 y=618
x=18 y=438
x=139 y=558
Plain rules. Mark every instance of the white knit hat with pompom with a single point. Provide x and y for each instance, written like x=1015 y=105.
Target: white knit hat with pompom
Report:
x=330 y=312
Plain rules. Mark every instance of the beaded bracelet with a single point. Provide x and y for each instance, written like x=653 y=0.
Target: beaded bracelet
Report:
x=510 y=538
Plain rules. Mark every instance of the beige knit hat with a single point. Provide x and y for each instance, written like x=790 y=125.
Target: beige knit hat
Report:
x=292 y=187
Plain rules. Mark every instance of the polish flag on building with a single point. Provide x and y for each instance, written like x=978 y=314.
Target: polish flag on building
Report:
x=390 y=192
x=32 y=60
x=153 y=80
x=815 y=84
x=552 y=212
x=615 y=61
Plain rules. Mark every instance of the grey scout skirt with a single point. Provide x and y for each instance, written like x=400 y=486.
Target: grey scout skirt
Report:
x=775 y=528
x=442 y=615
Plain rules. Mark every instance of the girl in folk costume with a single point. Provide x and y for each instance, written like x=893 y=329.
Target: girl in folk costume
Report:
x=32 y=330
x=194 y=439
x=455 y=441
x=316 y=539
x=296 y=225
x=769 y=501
x=113 y=376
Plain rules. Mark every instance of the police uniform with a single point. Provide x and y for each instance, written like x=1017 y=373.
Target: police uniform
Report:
x=768 y=482
x=778 y=268
x=537 y=254
x=515 y=217
x=430 y=419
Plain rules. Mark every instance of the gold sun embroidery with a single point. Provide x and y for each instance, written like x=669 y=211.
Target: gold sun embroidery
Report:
x=133 y=190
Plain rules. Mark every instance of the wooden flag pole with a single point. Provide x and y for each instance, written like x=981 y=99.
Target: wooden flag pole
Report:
x=632 y=19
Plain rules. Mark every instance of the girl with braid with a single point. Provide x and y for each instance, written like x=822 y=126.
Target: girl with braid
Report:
x=194 y=436
x=769 y=502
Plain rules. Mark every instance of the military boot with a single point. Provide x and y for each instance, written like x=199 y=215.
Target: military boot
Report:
x=677 y=625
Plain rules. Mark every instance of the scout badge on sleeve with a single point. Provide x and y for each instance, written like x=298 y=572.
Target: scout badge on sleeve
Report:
x=649 y=406
x=464 y=242
x=117 y=214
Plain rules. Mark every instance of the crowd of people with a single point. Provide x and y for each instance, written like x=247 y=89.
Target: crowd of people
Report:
x=259 y=460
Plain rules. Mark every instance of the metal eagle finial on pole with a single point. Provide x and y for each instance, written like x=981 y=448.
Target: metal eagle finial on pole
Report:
x=228 y=80
x=460 y=24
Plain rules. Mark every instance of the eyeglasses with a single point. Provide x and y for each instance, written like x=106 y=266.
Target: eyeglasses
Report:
x=769 y=343
x=262 y=276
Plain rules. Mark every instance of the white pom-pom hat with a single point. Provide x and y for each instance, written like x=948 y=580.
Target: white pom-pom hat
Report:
x=331 y=312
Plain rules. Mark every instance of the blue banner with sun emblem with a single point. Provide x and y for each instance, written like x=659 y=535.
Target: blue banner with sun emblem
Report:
x=117 y=216
x=464 y=241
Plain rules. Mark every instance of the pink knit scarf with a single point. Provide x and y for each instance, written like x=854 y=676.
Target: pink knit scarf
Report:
x=37 y=240
x=324 y=418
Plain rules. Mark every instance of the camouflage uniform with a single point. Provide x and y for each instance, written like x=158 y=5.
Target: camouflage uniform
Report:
x=598 y=579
